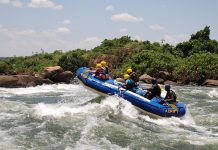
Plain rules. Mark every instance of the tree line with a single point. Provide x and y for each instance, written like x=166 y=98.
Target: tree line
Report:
x=191 y=61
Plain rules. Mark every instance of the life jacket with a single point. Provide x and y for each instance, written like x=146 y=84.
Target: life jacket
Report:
x=100 y=73
x=105 y=70
x=156 y=90
x=134 y=77
x=170 y=94
x=105 y=73
x=130 y=85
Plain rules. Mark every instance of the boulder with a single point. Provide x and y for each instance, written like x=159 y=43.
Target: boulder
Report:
x=160 y=81
x=170 y=82
x=66 y=77
x=17 y=81
x=210 y=82
x=164 y=75
x=50 y=72
x=145 y=78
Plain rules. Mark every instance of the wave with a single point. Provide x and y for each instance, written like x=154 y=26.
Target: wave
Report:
x=213 y=93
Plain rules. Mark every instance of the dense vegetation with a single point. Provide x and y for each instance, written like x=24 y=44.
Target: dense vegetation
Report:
x=190 y=61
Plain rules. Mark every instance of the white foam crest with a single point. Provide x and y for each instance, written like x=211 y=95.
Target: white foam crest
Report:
x=197 y=135
x=172 y=121
x=198 y=139
x=120 y=105
x=42 y=89
x=62 y=110
x=86 y=143
x=213 y=93
x=7 y=141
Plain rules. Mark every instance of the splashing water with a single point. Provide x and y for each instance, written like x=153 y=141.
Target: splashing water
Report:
x=71 y=117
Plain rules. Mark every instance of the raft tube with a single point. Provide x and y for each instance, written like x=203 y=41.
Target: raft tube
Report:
x=112 y=87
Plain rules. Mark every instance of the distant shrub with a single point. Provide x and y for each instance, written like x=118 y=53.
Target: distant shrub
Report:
x=3 y=67
x=152 y=62
x=197 y=68
x=73 y=60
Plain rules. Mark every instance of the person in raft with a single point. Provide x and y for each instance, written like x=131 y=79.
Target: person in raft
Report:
x=105 y=69
x=99 y=72
x=132 y=75
x=154 y=91
x=129 y=83
x=171 y=95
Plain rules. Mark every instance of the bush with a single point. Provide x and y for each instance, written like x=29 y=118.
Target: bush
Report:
x=152 y=62
x=197 y=68
x=3 y=67
x=73 y=60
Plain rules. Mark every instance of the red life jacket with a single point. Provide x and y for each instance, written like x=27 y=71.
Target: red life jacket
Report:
x=100 y=73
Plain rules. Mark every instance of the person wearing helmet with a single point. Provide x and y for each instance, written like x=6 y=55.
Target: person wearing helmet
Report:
x=129 y=83
x=105 y=69
x=171 y=95
x=154 y=91
x=132 y=74
x=98 y=71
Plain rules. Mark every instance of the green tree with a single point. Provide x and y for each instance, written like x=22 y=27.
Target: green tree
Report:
x=73 y=60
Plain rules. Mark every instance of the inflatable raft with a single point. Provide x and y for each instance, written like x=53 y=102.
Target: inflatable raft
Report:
x=112 y=87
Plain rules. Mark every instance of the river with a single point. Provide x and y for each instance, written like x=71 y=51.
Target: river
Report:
x=69 y=117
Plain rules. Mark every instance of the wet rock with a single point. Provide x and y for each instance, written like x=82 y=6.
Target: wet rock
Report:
x=17 y=81
x=171 y=82
x=66 y=77
x=164 y=75
x=145 y=78
x=160 y=81
x=210 y=82
x=50 y=72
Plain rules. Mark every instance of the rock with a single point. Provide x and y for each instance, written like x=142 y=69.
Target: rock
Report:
x=170 y=82
x=210 y=82
x=145 y=78
x=50 y=72
x=164 y=75
x=160 y=81
x=120 y=80
x=66 y=77
x=17 y=81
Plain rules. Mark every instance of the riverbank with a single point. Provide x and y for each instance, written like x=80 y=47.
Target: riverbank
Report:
x=191 y=62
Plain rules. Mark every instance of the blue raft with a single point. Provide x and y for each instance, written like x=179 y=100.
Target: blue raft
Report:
x=112 y=87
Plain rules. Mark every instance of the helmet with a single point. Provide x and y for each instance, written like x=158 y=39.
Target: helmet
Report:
x=167 y=87
x=126 y=76
x=129 y=70
x=103 y=63
x=153 y=81
x=98 y=65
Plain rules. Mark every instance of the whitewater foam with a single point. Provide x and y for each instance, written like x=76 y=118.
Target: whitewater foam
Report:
x=61 y=110
x=213 y=93
x=43 y=89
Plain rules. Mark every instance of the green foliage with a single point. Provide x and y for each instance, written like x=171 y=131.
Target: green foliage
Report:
x=199 y=42
x=73 y=60
x=189 y=61
x=197 y=68
x=202 y=35
x=107 y=46
x=3 y=67
x=31 y=64
x=152 y=62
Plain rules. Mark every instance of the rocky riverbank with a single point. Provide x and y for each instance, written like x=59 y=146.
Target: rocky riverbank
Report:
x=56 y=74
x=50 y=75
